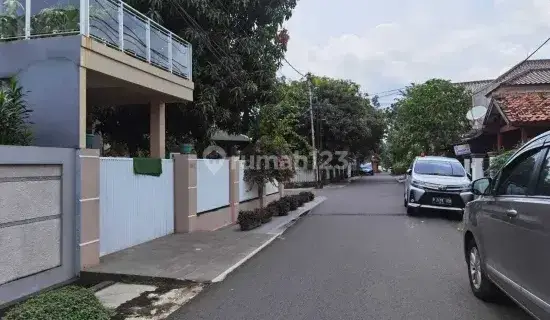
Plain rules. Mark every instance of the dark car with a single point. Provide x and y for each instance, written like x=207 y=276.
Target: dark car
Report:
x=507 y=230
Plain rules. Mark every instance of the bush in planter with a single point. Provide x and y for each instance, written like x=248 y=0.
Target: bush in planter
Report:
x=283 y=207
x=68 y=303
x=265 y=214
x=310 y=196
x=292 y=202
x=249 y=219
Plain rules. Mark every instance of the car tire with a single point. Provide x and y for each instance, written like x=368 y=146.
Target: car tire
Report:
x=482 y=287
x=411 y=211
x=404 y=201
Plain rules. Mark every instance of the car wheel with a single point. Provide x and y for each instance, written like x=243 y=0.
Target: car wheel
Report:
x=411 y=211
x=481 y=286
x=404 y=201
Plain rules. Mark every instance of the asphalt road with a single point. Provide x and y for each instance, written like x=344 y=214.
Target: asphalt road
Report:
x=357 y=256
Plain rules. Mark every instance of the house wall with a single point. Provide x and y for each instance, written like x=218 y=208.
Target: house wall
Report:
x=48 y=71
x=37 y=219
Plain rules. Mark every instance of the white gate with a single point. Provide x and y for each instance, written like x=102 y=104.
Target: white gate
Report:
x=134 y=208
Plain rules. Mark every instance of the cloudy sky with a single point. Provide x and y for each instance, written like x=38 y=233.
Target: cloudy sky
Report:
x=386 y=44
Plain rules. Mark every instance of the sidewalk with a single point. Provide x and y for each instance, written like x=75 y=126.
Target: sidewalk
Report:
x=198 y=256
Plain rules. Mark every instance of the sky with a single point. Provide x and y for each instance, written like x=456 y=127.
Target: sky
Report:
x=388 y=44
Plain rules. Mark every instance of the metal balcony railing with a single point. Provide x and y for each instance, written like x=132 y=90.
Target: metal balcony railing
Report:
x=111 y=22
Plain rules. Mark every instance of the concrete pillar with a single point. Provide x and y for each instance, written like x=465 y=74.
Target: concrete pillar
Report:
x=524 y=137
x=477 y=166
x=468 y=165
x=185 y=192
x=281 y=189
x=89 y=207
x=157 y=133
x=499 y=141
x=234 y=192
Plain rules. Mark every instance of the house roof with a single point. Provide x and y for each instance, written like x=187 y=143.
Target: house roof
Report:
x=474 y=86
x=524 y=107
x=221 y=135
x=537 y=76
x=518 y=70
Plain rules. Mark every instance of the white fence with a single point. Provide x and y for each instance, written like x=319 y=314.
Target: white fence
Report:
x=303 y=175
x=134 y=208
x=246 y=192
x=212 y=184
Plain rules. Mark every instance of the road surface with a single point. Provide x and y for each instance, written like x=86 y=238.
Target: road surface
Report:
x=356 y=256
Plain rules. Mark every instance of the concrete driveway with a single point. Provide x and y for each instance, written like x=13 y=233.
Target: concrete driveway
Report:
x=356 y=256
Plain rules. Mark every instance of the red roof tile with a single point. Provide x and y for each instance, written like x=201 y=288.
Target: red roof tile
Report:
x=525 y=107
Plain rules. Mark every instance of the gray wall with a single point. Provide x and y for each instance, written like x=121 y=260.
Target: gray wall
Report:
x=37 y=219
x=48 y=70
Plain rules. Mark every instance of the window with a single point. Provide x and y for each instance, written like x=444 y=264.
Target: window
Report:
x=517 y=175
x=439 y=168
x=543 y=186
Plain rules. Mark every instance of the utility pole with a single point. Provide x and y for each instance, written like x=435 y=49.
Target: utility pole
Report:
x=312 y=129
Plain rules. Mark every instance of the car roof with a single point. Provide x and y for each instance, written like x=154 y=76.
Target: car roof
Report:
x=436 y=158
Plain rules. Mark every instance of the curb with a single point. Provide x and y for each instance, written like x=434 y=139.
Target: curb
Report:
x=285 y=227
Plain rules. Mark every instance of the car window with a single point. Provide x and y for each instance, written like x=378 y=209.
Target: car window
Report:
x=439 y=168
x=517 y=175
x=543 y=185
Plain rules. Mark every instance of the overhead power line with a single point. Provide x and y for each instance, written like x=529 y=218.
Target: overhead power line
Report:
x=294 y=68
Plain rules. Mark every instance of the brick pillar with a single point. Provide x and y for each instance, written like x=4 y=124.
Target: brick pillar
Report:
x=89 y=207
x=234 y=188
x=185 y=192
x=157 y=134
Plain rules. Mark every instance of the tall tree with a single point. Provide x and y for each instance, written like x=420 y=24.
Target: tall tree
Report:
x=237 y=49
x=428 y=118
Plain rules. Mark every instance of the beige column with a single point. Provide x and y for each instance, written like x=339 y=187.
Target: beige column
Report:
x=157 y=130
x=185 y=192
x=234 y=191
x=89 y=207
x=82 y=113
x=281 y=189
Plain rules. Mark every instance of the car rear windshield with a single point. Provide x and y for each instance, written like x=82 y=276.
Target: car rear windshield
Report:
x=439 y=168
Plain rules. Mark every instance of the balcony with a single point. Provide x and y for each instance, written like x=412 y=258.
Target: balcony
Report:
x=109 y=22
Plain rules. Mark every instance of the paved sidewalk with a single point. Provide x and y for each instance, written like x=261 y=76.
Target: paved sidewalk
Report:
x=198 y=256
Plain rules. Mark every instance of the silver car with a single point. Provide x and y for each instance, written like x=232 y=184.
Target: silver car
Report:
x=507 y=230
x=437 y=183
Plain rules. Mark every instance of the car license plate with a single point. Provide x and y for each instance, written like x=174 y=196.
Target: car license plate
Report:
x=442 y=201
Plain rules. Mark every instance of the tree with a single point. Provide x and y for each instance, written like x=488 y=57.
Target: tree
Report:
x=237 y=49
x=14 y=115
x=428 y=118
x=269 y=157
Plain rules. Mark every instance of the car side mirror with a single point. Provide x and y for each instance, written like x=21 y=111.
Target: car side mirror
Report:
x=480 y=186
x=469 y=176
x=409 y=171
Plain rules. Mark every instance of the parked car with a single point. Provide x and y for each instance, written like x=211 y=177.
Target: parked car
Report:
x=436 y=183
x=367 y=169
x=507 y=230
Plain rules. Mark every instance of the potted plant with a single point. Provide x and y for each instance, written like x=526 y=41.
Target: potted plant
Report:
x=188 y=145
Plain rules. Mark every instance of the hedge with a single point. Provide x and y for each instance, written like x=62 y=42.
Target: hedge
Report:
x=68 y=303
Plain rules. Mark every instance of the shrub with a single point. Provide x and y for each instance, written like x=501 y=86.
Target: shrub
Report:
x=310 y=196
x=249 y=219
x=265 y=214
x=283 y=207
x=292 y=202
x=14 y=115
x=69 y=303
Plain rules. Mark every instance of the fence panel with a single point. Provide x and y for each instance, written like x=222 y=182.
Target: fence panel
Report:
x=246 y=192
x=212 y=184
x=134 y=208
x=303 y=175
